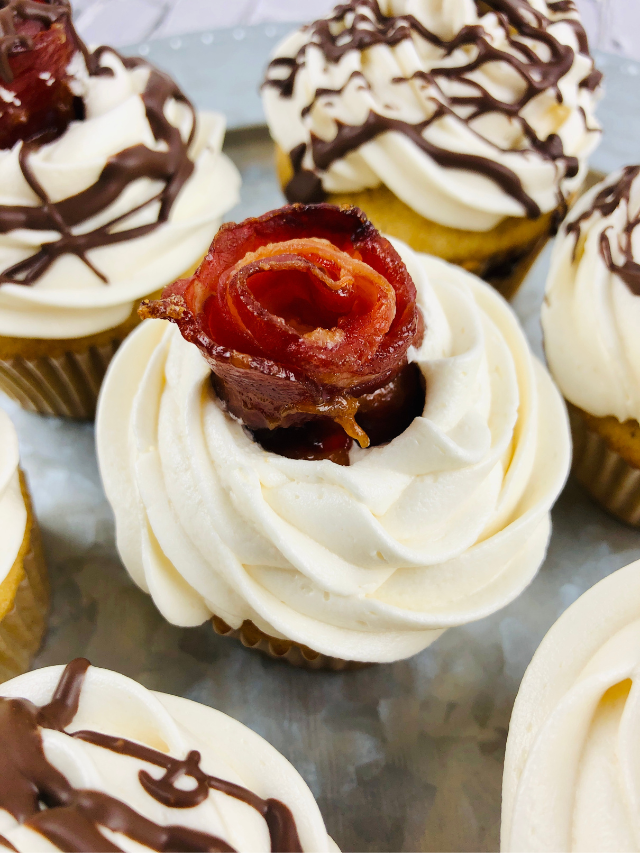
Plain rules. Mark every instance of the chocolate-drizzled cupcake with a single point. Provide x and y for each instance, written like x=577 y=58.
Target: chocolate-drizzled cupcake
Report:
x=92 y=761
x=111 y=186
x=591 y=317
x=24 y=591
x=462 y=128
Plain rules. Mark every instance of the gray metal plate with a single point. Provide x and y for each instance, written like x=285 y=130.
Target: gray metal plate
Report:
x=400 y=757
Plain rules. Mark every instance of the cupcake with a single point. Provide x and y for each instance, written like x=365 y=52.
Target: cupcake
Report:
x=462 y=128
x=24 y=590
x=93 y=761
x=590 y=319
x=111 y=186
x=338 y=449
x=571 y=767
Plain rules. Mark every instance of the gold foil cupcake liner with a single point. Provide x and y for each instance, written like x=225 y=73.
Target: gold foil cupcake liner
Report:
x=66 y=386
x=24 y=624
x=604 y=473
x=285 y=650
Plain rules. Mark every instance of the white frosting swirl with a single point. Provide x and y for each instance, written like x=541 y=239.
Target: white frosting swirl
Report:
x=13 y=513
x=382 y=79
x=590 y=317
x=445 y=524
x=115 y=705
x=572 y=767
x=69 y=300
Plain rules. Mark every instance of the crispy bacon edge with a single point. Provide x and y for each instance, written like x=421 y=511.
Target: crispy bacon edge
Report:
x=266 y=393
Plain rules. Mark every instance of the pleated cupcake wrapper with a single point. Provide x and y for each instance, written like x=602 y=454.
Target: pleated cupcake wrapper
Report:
x=66 y=386
x=609 y=479
x=286 y=650
x=23 y=627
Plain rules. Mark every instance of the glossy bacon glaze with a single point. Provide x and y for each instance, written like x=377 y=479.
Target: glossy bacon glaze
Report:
x=299 y=313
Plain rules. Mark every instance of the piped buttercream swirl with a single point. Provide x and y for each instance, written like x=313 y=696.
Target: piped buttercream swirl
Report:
x=571 y=777
x=468 y=111
x=443 y=525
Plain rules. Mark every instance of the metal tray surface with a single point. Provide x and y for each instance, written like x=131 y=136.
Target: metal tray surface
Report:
x=405 y=756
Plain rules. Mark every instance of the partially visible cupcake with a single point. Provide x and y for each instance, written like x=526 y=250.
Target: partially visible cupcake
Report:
x=463 y=128
x=93 y=761
x=572 y=765
x=591 y=317
x=359 y=452
x=111 y=186
x=24 y=590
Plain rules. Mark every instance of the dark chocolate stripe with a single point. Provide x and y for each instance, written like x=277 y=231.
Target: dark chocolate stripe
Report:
x=605 y=203
x=349 y=28
x=40 y=797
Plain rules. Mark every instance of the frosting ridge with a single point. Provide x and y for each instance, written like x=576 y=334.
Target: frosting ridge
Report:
x=13 y=513
x=571 y=767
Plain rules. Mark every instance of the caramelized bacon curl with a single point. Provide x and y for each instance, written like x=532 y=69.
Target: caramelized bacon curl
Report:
x=301 y=314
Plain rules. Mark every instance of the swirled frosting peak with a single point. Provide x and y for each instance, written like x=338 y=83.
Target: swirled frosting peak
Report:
x=371 y=561
x=591 y=312
x=572 y=766
x=468 y=111
x=91 y=761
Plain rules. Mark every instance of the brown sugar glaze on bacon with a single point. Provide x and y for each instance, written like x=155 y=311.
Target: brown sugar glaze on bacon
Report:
x=305 y=316
x=40 y=797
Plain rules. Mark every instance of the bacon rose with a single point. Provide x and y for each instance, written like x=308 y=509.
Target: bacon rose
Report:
x=37 y=43
x=303 y=314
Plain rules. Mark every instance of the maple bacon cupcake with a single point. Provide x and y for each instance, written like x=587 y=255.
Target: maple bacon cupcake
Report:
x=359 y=452
x=461 y=128
x=24 y=590
x=111 y=186
x=590 y=318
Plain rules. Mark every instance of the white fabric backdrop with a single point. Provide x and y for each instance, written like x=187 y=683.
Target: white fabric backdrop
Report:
x=613 y=25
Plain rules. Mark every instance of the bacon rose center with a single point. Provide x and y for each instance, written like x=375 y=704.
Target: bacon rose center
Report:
x=301 y=314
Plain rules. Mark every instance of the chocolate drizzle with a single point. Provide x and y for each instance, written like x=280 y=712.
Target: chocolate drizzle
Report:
x=361 y=24
x=171 y=165
x=605 y=203
x=40 y=797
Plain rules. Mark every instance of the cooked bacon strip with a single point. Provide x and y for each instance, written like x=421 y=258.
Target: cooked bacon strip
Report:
x=299 y=313
x=36 y=99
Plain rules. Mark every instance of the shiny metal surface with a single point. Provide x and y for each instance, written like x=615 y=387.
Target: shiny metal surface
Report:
x=400 y=757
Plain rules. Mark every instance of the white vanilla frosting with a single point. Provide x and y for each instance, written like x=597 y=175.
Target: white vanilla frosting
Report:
x=590 y=315
x=13 y=513
x=445 y=524
x=69 y=300
x=395 y=80
x=572 y=767
x=115 y=705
